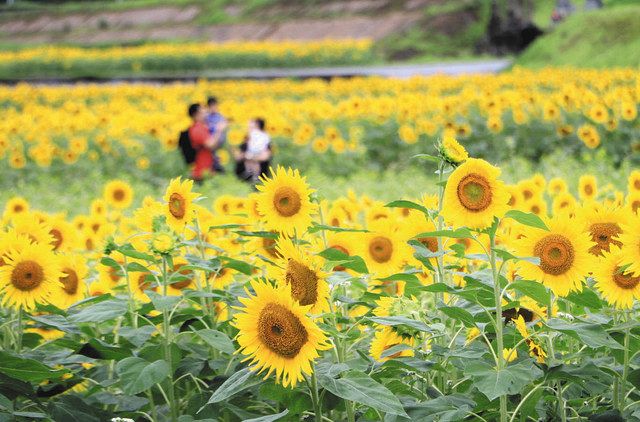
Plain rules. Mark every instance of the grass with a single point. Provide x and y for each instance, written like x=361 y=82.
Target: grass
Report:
x=609 y=37
x=66 y=192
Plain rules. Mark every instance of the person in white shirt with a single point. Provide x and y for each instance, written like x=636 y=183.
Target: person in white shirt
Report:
x=255 y=154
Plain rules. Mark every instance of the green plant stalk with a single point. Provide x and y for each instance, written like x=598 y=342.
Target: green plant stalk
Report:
x=625 y=367
x=173 y=408
x=440 y=380
x=497 y=291
x=552 y=357
x=19 y=333
x=315 y=398
x=342 y=357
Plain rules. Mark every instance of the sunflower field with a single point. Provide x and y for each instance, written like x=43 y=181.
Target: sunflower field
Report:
x=338 y=127
x=484 y=301
x=178 y=58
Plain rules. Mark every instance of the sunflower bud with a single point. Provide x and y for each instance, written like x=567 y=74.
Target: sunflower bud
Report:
x=163 y=243
x=451 y=151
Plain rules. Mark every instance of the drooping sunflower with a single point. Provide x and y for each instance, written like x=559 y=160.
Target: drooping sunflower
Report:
x=276 y=335
x=563 y=252
x=29 y=276
x=302 y=270
x=474 y=195
x=179 y=208
x=72 y=287
x=285 y=202
x=384 y=339
x=604 y=225
x=118 y=194
x=617 y=285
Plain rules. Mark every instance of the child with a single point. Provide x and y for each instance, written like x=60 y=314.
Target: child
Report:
x=255 y=154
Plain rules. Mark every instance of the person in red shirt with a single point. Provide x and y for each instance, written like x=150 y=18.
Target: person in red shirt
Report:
x=202 y=141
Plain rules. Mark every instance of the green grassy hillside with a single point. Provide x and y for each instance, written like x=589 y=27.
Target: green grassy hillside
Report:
x=603 y=38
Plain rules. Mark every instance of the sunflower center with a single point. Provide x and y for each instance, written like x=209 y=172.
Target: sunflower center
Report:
x=588 y=189
x=381 y=249
x=430 y=243
x=303 y=281
x=604 y=235
x=636 y=184
x=287 y=201
x=625 y=281
x=556 y=254
x=474 y=193
x=118 y=195
x=281 y=331
x=57 y=238
x=177 y=205
x=18 y=208
x=27 y=275
x=69 y=281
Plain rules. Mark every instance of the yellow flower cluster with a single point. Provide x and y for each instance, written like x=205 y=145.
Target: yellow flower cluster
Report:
x=555 y=108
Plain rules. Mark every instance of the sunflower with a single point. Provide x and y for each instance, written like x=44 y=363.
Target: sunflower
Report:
x=284 y=202
x=99 y=207
x=118 y=194
x=556 y=186
x=180 y=278
x=617 y=286
x=34 y=228
x=587 y=187
x=179 y=208
x=276 y=335
x=303 y=272
x=64 y=235
x=633 y=181
x=29 y=276
x=604 y=225
x=139 y=282
x=451 y=151
x=384 y=251
x=15 y=206
x=72 y=286
x=12 y=241
x=386 y=338
x=100 y=287
x=632 y=202
x=343 y=242
x=563 y=252
x=630 y=239
x=474 y=195
x=564 y=203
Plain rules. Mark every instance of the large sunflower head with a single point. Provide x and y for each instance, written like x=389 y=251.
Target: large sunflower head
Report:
x=276 y=335
x=29 y=276
x=474 y=195
x=302 y=271
x=284 y=202
x=118 y=194
x=616 y=283
x=72 y=287
x=563 y=252
x=179 y=208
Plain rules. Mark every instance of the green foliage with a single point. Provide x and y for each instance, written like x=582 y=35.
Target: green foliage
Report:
x=597 y=39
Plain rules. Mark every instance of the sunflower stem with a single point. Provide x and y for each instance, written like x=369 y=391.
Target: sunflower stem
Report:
x=625 y=368
x=19 y=333
x=497 y=291
x=552 y=357
x=167 y=344
x=440 y=380
x=317 y=408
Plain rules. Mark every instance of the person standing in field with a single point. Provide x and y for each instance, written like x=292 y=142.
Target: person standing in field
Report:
x=254 y=157
x=202 y=141
x=214 y=118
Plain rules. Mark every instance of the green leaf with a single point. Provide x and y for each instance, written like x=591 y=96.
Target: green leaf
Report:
x=109 y=262
x=361 y=388
x=532 y=289
x=233 y=385
x=354 y=263
x=161 y=302
x=137 y=375
x=459 y=314
x=320 y=227
x=587 y=298
x=128 y=250
x=427 y=157
x=408 y=204
x=26 y=369
x=526 y=218
x=394 y=321
x=100 y=312
x=269 y=418
x=591 y=334
x=506 y=256
x=493 y=382
x=134 y=266
x=462 y=233
x=237 y=265
x=217 y=340
x=268 y=235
